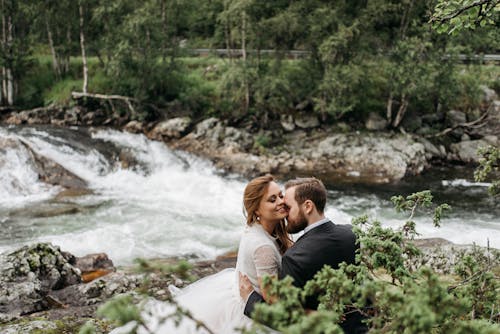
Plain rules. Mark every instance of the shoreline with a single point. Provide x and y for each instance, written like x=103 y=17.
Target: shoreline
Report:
x=353 y=156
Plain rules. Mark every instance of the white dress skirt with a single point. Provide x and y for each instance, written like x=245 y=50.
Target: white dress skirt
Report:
x=215 y=299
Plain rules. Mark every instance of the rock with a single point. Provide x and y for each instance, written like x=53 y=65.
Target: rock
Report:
x=307 y=121
x=173 y=128
x=93 y=262
x=466 y=151
x=465 y=137
x=433 y=118
x=455 y=117
x=442 y=255
x=376 y=159
x=375 y=122
x=411 y=122
x=489 y=95
x=431 y=150
x=29 y=274
x=36 y=326
x=134 y=127
x=51 y=172
x=492 y=140
x=287 y=122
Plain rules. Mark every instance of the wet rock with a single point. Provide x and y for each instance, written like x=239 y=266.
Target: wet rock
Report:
x=53 y=173
x=170 y=129
x=29 y=274
x=375 y=122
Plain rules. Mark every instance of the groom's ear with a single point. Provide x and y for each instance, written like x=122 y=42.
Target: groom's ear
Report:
x=308 y=206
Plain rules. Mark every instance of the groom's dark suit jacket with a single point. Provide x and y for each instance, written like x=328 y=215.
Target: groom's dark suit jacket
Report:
x=327 y=244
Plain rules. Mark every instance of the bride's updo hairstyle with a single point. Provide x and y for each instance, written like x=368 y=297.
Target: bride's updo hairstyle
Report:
x=253 y=194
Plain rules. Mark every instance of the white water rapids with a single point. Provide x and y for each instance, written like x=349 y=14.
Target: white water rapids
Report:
x=169 y=203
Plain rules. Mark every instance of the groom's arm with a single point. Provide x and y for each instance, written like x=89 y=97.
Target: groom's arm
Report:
x=252 y=300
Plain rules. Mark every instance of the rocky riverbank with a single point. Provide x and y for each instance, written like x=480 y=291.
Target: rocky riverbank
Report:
x=302 y=145
x=44 y=288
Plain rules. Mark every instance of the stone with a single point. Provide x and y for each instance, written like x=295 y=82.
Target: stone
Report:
x=171 y=129
x=28 y=274
x=375 y=122
x=433 y=118
x=431 y=150
x=455 y=117
x=287 y=122
x=489 y=95
x=134 y=127
x=467 y=151
x=306 y=121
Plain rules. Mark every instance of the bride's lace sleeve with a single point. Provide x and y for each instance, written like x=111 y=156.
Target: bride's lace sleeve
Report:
x=266 y=261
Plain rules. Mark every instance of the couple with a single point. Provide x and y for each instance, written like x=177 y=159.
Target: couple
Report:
x=225 y=301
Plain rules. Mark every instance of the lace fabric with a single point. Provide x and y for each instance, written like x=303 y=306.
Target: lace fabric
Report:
x=266 y=261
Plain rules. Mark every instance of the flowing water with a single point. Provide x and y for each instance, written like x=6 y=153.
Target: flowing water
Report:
x=170 y=203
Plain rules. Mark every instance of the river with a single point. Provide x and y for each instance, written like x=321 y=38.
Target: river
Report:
x=173 y=203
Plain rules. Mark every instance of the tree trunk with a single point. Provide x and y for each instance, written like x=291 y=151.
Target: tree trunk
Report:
x=84 y=57
x=401 y=111
x=55 y=62
x=165 y=32
x=10 y=77
x=405 y=20
x=4 y=44
x=244 y=57
x=389 y=108
x=67 y=50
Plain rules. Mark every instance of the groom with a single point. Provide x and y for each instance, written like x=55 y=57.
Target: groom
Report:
x=323 y=243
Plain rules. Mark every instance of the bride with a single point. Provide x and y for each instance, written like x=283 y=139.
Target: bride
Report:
x=215 y=300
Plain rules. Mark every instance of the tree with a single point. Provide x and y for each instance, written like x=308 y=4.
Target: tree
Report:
x=14 y=47
x=454 y=15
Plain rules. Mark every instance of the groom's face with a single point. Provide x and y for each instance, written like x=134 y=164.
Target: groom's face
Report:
x=296 y=218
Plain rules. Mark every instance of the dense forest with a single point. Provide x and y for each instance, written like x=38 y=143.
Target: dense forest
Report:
x=357 y=57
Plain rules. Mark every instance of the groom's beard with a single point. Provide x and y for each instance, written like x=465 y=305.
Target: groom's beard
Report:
x=296 y=224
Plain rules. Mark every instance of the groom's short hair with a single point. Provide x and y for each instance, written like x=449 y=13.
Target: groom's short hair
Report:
x=309 y=188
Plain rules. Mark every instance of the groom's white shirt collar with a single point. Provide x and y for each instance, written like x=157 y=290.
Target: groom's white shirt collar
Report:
x=316 y=224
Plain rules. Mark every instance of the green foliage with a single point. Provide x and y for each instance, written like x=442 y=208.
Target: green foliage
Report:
x=456 y=15
x=121 y=309
x=489 y=164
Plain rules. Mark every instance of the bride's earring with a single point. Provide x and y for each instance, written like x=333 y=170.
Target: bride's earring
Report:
x=258 y=219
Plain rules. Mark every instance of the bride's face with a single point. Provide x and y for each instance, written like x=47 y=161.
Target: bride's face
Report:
x=272 y=207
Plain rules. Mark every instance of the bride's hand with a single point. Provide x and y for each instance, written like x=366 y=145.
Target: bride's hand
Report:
x=245 y=286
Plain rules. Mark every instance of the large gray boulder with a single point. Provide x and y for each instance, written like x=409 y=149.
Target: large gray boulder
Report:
x=467 y=151
x=29 y=274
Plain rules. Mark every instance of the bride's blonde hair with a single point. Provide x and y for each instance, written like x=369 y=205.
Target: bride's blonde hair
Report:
x=254 y=191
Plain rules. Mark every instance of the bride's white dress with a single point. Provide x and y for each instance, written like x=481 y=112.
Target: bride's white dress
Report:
x=215 y=300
